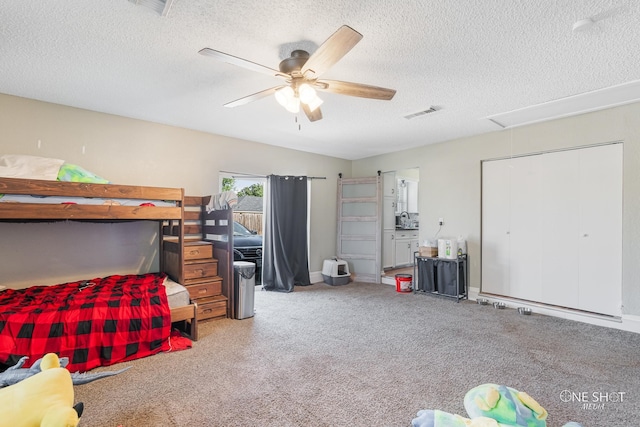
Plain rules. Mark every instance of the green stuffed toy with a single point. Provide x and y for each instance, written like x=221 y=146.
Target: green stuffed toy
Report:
x=490 y=405
x=42 y=400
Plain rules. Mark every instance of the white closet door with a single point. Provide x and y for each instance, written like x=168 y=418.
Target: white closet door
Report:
x=562 y=215
x=601 y=230
x=495 y=227
x=559 y=281
x=526 y=244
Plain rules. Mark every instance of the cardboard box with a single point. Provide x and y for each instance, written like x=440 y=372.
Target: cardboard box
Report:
x=428 y=251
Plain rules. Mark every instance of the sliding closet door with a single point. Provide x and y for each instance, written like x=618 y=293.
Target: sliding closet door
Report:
x=526 y=245
x=600 y=233
x=559 y=227
x=562 y=215
x=496 y=183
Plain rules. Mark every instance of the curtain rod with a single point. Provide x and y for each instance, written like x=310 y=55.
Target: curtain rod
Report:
x=246 y=175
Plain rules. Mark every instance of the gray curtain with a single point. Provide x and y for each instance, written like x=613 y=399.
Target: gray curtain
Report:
x=285 y=259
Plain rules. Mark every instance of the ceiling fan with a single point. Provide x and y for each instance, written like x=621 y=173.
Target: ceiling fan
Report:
x=301 y=74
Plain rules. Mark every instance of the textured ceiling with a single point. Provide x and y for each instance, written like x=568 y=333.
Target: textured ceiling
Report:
x=471 y=59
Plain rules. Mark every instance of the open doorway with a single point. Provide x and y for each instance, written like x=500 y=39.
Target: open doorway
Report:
x=248 y=217
x=401 y=222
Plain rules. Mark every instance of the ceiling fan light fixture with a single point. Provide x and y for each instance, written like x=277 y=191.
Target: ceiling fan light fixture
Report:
x=284 y=95
x=293 y=106
x=314 y=103
x=288 y=99
x=307 y=93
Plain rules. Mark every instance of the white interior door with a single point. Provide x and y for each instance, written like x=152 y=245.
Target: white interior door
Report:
x=559 y=228
x=600 y=246
x=360 y=226
x=495 y=227
x=525 y=242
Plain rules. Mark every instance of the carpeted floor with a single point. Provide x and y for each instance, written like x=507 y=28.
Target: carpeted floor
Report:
x=365 y=355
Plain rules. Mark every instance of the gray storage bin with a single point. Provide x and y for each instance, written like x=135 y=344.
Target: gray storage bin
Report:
x=244 y=281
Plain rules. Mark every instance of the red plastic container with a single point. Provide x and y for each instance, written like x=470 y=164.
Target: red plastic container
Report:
x=403 y=282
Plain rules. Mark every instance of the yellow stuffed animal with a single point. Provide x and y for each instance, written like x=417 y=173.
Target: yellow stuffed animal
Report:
x=43 y=400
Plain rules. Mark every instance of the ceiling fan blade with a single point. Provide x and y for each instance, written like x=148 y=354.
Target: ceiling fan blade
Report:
x=355 y=89
x=254 y=97
x=312 y=115
x=230 y=59
x=331 y=51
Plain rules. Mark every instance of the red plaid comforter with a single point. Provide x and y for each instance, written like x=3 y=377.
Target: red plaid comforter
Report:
x=94 y=322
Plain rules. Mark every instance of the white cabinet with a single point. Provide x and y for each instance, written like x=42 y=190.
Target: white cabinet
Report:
x=552 y=228
x=388 y=213
x=388 y=219
x=403 y=252
x=406 y=245
x=389 y=184
x=389 y=201
x=415 y=246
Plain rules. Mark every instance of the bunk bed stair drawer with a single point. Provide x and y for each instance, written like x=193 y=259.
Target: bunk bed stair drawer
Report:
x=195 y=269
x=205 y=289
x=211 y=307
x=196 y=249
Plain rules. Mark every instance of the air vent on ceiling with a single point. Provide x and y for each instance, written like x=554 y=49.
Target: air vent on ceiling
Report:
x=429 y=110
x=160 y=6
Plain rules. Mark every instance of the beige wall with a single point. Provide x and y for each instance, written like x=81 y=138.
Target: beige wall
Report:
x=450 y=179
x=135 y=152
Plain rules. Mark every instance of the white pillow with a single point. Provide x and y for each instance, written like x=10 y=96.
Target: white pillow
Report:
x=29 y=167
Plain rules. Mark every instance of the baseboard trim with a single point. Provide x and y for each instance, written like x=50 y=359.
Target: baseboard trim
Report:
x=626 y=322
x=316 y=276
x=631 y=323
x=388 y=280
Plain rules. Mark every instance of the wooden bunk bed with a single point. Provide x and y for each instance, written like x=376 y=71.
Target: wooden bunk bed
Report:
x=155 y=203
